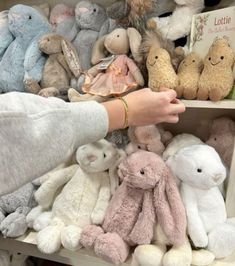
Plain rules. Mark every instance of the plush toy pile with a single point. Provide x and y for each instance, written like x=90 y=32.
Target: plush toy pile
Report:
x=141 y=189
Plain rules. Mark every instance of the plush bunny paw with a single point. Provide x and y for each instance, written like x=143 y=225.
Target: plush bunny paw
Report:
x=112 y=248
x=89 y=235
x=48 y=240
x=177 y=258
x=31 y=86
x=97 y=217
x=42 y=221
x=14 y=225
x=33 y=215
x=70 y=237
x=49 y=92
x=202 y=257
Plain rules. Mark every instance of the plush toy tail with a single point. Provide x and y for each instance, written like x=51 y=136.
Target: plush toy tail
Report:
x=170 y=209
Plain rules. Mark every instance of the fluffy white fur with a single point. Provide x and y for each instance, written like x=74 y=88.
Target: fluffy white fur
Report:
x=174 y=27
x=82 y=201
x=200 y=171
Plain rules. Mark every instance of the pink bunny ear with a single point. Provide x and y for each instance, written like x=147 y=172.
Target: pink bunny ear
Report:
x=170 y=209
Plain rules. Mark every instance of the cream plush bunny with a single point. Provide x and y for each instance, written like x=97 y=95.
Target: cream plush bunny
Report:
x=201 y=171
x=83 y=199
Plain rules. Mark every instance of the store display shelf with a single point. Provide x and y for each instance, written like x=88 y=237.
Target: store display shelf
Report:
x=224 y=104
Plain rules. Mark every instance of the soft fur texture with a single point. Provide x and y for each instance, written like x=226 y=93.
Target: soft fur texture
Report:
x=221 y=137
x=148 y=194
x=91 y=23
x=62 y=19
x=83 y=199
x=200 y=170
x=150 y=138
x=61 y=65
x=189 y=73
x=174 y=27
x=22 y=62
x=216 y=80
x=5 y=37
x=120 y=76
x=14 y=208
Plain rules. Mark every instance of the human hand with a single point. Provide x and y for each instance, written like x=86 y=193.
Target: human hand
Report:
x=148 y=107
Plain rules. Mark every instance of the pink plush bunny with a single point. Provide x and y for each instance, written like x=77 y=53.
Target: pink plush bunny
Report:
x=148 y=194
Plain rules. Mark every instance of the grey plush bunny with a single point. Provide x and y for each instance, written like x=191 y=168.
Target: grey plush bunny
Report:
x=14 y=208
x=5 y=35
x=23 y=61
x=91 y=23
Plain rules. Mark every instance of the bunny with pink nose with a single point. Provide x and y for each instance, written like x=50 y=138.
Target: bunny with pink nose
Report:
x=148 y=194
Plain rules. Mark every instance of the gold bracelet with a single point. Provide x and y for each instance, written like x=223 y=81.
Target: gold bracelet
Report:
x=125 y=125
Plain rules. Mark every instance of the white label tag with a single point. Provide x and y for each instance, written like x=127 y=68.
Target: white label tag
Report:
x=106 y=62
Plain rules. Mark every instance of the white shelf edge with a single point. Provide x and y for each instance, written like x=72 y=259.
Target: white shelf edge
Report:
x=224 y=104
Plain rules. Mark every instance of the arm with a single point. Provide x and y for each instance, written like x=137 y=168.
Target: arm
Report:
x=46 y=193
x=98 y=213
x=142 y=233
x=196 y=229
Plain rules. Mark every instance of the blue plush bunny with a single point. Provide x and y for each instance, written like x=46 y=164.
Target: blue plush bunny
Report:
x=5 y=35
x=23 y=62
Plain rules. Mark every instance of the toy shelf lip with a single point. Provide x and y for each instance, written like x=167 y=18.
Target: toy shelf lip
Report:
x=224 y=104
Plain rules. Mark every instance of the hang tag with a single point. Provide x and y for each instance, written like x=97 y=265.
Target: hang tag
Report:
x=106 y=62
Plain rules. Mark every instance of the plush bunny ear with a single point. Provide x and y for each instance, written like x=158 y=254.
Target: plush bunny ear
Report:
x=135 y=40
x=113 y=175
x=71 y=57
x=170 y=209
x=98 y=51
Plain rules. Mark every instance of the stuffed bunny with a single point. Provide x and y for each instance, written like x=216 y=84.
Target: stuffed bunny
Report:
x=6 y=36
x=121 y=73
x=216 y=80
x=91 y=23
x=83 y=199
x=174 y=27
x=119 y=137
x=22 y=61
x=61 y=65
x=150 y=138
x=200 y=170
x=148 y=194
x=221 y=138
x=12 y=258
x=62 y=19
x=14 y=208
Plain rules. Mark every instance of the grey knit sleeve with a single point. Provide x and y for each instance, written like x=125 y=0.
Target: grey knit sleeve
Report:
x=37 y=134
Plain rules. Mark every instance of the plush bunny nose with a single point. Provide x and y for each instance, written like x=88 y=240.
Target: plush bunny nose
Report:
x=83 y=10
x=14 y=15
x=91 y=158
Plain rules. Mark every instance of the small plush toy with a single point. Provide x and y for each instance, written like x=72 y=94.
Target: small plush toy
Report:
x=148 y=194
x=216 y=80
x=150 y=138
x=83 y=199
x=201 y=171
x=61 y=65
x=14 y=208
x=222 y=138
x=23 y=62
x=62 y=19
x=178 y=24
x=121 y=73
x=6 y=36
x=91 y=23
x=189 y=73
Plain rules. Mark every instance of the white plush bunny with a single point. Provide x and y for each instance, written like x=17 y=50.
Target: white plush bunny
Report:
x=201 y=171
x=83 y=199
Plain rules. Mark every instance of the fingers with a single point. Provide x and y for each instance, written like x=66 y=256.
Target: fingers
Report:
x=170 y=94
x=173 y=119
x=177 y=108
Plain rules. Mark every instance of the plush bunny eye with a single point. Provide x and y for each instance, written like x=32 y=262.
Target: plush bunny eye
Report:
x=156 y=57
x=222 y=57
x=193 y=61
x=30 y=17
x=215 y=139
x=199 y=170
x=94 y=9
x=118 y=36
x=142 y=171
x=209 y=58
x=139 y=147
x=105 y=155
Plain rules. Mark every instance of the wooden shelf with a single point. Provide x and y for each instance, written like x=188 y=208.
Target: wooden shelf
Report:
x=225 y=104
x=27 y=245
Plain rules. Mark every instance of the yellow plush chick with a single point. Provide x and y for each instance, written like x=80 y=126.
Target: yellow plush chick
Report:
x=216 y=79
x=160 y=70
x=189 y=73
